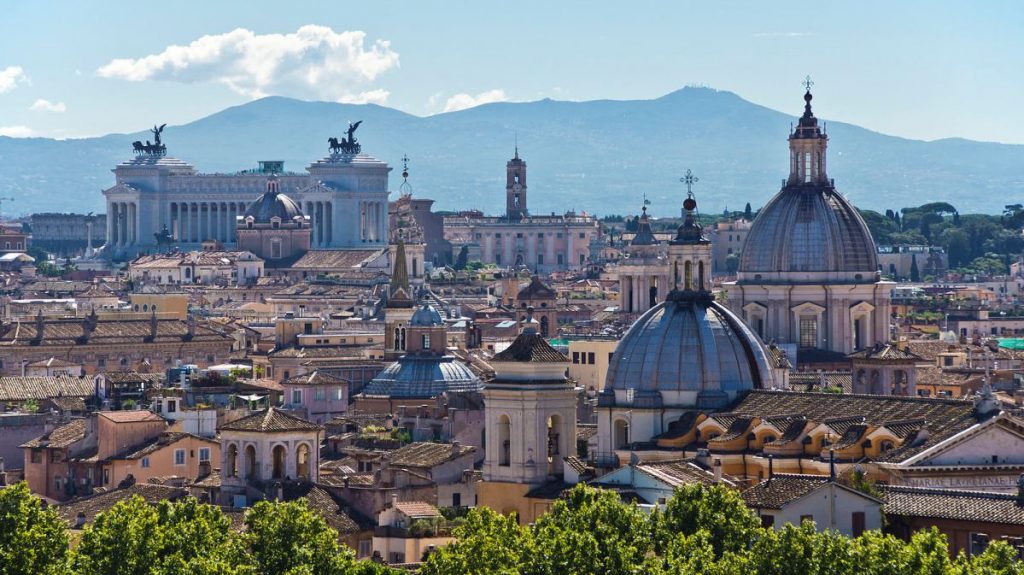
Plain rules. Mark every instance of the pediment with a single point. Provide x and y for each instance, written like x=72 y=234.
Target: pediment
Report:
x=996 y=442
x=807 y=308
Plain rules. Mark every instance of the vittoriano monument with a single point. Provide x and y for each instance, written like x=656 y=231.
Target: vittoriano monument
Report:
x=157 y=149
x=348 y=146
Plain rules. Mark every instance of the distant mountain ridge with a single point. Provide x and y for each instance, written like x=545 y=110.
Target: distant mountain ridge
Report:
x=599 y=156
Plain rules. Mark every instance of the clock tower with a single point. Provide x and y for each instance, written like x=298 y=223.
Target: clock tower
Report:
x=515 y=188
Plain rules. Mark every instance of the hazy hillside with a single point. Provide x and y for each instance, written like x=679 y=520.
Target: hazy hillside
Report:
x=599 y=156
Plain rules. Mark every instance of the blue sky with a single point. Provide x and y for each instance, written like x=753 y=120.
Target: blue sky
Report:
x=915 y=69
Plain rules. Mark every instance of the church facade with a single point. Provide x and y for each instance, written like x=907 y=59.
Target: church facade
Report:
x=345 y=196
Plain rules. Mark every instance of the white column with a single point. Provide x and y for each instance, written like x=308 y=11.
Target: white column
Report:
x=112 y=224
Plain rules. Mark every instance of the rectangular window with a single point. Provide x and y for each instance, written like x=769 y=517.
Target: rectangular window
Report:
x=426 y=341
x=808 y=332
x=37 y=456
x=456 y=500
x=204 y=454
x=297 y=396
x=858 y=523
x=179 y=457
x=979 y=541
x=590 y=358
x=583 y=236
x=56 y=456
x=561 y=259
x=804 y=518
x=320 y=394
x=365 y=548
x=767 y=521
x=540 y=259
x=576 y=357
x=338 y=394
x=145 y=463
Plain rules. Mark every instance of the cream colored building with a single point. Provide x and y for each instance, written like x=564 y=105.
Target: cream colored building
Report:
x=643 y=271
x=588 y=362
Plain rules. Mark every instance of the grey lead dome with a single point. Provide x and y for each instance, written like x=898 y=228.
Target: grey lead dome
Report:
x=689 y=352
x=809 y=228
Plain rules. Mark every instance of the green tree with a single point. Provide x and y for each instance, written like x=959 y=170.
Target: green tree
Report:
x=915 y=273
x=195 y=538
x=998 y=557
x=716 y=509
x=487 y=543
x=732 y=263
x=33 y=539
x=124 y=540
x=590 y=532
x=748 y=213
x=289 y=539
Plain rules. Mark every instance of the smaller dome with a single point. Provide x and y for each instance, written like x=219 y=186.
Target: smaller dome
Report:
x=273 y=204
x=423 y=377
x=426 y=316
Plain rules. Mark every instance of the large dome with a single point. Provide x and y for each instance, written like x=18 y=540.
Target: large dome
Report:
x=809 y=228
x=423 y=377
x=688 y=351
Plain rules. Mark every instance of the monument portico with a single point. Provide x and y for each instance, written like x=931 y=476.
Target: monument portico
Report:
x=345 y=195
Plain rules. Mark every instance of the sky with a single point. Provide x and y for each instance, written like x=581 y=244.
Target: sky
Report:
x=916 y=69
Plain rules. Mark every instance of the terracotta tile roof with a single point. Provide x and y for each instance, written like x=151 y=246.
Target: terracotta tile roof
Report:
x=535 y=290
x=315 y=378
x=95 y=504
x=69 y=331
x=132 y=416
x=851 y=436
x=423 y=454
x=737 y=428
x=52 y=362
x=781 y=489
x=533 y=348
x=585 y=431
x=335 y=512
x=328 y=260
x=416 y=509
x=944 y=417
x=679 y=472
x=61 y=437
x=270 y=419
x=793 y=430
x=17 y=388
x=974 y=506
x=156 y=444
x=134 y=377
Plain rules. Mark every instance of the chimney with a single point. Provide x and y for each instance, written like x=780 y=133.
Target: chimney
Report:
x=80 y=520
x=717 y=468
x=152 y=325
x=40 y=326
x=204 y=469
x=394 y=500
x=831 y=465
x=280 y=491
x=771 y=468
x=456 y=449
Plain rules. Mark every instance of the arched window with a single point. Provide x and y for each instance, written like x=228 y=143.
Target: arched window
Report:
x=398 y=342
x=700 y=275
x=504 y=441
x=279 y=455
x=250 y=462
x=544 y=325
x=232 y=462
x=620 y=434
x=302 y=462
x=688 y=275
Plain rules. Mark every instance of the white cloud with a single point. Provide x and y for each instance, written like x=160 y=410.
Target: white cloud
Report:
x=16 y=131
x=377 y=96
x=42 y=105
x=313 y=62
x=10 y=77
x=463 y=101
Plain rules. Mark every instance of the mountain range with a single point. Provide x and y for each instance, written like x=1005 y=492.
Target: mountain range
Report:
x=599 y=156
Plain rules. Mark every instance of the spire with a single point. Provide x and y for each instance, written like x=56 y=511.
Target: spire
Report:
x=400 y=275
x=405 y=189
x=690 y=231
x=517 y=145
x=644 y=236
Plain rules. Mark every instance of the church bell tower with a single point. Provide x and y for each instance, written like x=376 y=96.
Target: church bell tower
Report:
x=515 y=188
